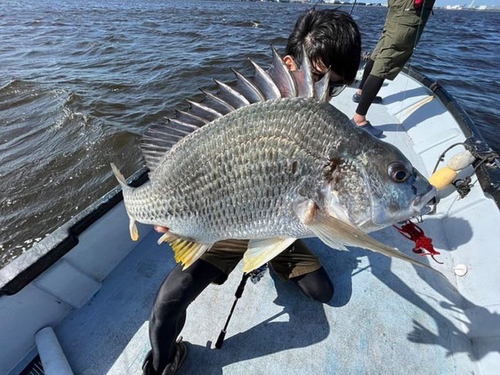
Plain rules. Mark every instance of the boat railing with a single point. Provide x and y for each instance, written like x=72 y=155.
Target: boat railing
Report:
x=488 y=173
x=27 y=267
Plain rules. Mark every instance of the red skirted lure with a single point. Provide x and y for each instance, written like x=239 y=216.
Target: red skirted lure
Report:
x=422 y=243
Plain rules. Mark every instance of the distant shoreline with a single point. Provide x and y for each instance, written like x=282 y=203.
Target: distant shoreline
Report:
x=346 y=4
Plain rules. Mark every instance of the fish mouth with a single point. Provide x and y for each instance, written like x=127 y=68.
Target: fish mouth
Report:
x=424 y=204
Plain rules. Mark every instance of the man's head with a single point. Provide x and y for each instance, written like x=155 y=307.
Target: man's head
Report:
x=331 y=39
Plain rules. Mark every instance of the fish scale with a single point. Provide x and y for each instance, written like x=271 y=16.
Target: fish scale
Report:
x=271 y=172
x=253 y=173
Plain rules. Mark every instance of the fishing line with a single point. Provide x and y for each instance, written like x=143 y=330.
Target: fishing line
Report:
x=316 y=3
x=353 y=5
x=418 y=33
x=410 y=63
x=399 y=125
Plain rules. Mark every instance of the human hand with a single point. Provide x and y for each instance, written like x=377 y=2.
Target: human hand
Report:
x=160 y=229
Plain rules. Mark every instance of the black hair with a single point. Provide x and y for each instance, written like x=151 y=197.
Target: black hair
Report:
x=330 y=36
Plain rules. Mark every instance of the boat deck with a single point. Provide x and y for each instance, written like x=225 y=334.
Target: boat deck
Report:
x=386 y=316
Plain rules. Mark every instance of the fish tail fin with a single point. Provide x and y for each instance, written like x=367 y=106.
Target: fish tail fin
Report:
x=119 y=176
x=134 y=232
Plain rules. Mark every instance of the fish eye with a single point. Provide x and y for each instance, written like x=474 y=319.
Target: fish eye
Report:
x=398 y=172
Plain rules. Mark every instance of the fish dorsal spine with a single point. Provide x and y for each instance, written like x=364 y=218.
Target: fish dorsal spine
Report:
x=277 y=82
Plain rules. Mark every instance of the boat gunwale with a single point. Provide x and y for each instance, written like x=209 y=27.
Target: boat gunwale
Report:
x=28 y=266
x=24 y=269
x=488 y=174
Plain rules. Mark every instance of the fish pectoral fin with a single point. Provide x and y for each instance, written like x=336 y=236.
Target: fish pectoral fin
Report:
x=262 y=251
x=333 y=231
x=186 y=252
x=307 y=211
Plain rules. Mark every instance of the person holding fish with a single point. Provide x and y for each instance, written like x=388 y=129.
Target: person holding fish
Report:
x=262 y=163
x=404 y=25
x=331 y=41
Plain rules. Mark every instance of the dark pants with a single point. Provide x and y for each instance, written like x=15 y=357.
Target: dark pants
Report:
x=180 y=288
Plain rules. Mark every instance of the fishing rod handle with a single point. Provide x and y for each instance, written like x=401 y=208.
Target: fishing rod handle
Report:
x=220 y=339
x=241 y=287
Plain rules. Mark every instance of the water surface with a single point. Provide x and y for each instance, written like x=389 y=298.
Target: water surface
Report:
x=81 y=81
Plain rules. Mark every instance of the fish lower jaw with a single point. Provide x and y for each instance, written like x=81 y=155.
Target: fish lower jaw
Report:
x=389 y=220
x=422 y=209
x=423 y=204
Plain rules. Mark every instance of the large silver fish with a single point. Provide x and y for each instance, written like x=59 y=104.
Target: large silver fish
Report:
x=269 y=160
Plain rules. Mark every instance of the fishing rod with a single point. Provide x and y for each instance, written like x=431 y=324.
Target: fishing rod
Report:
x=255 y=276
x=353 y=5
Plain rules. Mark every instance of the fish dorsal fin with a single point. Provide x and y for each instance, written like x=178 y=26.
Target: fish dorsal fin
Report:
x=304 y=79
x=231 y=95
x=277 y=82
x=248 y=88
x=263 y=250
x=321 y=88
x=186 y=251
x=282 y=76
x=265 y=83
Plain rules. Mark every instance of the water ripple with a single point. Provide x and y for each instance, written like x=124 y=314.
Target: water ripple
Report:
x=82 y=80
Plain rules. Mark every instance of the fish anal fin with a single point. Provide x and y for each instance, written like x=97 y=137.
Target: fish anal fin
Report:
x=262 y=251
x=186 y=252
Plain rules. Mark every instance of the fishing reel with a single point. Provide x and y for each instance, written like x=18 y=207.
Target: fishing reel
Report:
x=472 y=156
x=257 y=274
